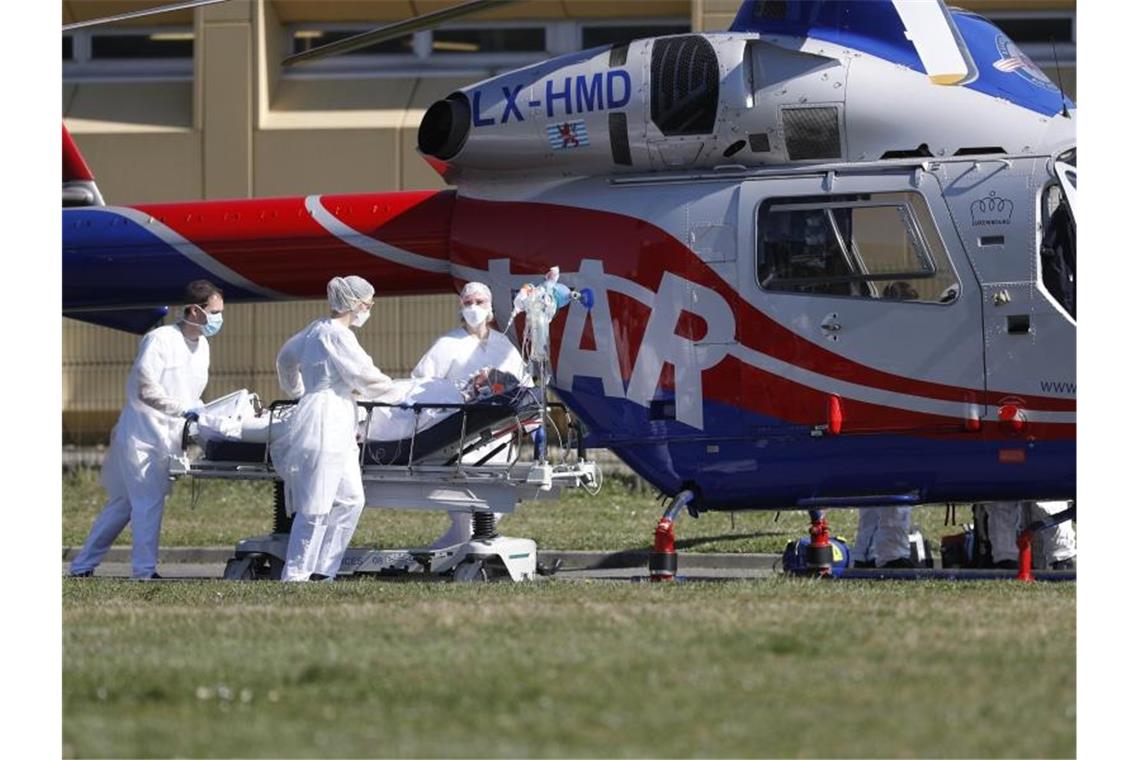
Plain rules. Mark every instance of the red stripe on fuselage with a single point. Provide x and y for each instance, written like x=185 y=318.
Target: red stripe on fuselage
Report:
x=276 y=243
x=751 y=389
x=74 y=165
x=536 y=236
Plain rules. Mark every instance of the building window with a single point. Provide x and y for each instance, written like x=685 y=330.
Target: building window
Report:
x=488 y=40
x=307 y=39
x=1031 y=29
x=120 y=46
x=1049 y=38
x=882 y=246
x=471 y=49
x=596 y=35
x=140 y=54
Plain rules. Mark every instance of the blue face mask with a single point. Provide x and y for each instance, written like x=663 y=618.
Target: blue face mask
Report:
x=213 y=324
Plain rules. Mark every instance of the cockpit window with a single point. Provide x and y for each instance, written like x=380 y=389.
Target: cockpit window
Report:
x=882 y=246
x=1058 y=254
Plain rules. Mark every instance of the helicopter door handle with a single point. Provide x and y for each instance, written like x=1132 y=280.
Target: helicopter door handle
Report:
x=831 y=324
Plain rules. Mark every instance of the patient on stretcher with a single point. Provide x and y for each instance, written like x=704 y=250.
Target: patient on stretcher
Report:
x=238 y=416
x=396 y=423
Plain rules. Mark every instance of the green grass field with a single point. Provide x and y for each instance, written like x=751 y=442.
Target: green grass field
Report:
x=619 y=518
x=557 y=668
x=772 y=668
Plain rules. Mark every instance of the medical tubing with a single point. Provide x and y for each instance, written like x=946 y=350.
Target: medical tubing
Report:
x=597 y=489
x=517 y=441
x=368 y=426
x=558 y=433
x=415 y=430
x=462 y=438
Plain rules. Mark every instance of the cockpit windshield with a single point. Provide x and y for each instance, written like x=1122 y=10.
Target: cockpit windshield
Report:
x=1059 y=236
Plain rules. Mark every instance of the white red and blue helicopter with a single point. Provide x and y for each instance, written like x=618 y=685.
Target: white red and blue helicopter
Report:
x=832 y=251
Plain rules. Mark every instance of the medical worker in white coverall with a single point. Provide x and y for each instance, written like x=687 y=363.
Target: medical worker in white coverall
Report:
x=163 y=388
x=316 y=455
x=1005 y=520
x=883 y=538
x=460 y=353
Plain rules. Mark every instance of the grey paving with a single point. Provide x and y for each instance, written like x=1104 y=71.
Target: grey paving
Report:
x=209 y=562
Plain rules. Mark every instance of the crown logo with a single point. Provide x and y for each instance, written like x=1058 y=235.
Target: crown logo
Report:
x=991 y=210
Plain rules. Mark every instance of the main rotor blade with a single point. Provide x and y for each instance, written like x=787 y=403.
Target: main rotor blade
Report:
x=392 y=31
x=140 y=14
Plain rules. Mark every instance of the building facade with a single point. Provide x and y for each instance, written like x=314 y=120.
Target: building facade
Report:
x=195 y=105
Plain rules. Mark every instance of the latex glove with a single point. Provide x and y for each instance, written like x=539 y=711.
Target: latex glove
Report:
x=194 y=412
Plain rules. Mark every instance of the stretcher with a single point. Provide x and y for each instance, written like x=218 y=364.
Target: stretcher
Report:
x=466 y=456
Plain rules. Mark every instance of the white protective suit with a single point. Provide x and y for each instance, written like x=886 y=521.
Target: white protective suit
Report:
x=456 y=356
x=1006 y=519
x=165 y=381
x=883 y=536
x=316 y=455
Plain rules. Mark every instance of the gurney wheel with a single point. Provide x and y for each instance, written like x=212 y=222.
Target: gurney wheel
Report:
x=240 y=569
x=471 y=572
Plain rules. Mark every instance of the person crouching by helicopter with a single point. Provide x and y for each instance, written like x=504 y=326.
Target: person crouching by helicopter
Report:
x=1006 y=519
x=883 y=538
x=460 y=353
x=316 y=455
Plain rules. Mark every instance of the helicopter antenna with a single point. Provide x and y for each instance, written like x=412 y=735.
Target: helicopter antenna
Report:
x=140 y=13
x=1060 y=83
x=392 y=31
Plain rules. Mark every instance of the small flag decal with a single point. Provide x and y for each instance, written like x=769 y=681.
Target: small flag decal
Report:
x=567 y=134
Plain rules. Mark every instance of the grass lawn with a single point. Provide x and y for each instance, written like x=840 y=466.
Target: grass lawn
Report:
x=619 y=518
x=771 y=668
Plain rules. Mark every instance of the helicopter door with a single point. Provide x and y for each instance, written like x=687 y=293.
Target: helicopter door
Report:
x=865 y=296
x=1021 y=242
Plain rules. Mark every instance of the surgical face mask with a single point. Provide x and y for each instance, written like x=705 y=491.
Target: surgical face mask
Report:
x=475 y=315
x=360 y=317
x=213 y=324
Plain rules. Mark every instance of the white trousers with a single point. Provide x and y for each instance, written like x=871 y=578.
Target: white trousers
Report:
x=883 y=536
x=138 y=502
x=1006 y=519
x=317 y=543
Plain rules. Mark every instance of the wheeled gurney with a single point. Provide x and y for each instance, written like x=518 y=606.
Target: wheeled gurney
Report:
x=458 y=456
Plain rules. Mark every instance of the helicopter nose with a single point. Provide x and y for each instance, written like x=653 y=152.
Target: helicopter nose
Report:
x=444 y=128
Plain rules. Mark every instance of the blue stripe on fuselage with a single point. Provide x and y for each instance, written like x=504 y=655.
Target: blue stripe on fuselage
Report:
x=111 y=261
x=742 y=460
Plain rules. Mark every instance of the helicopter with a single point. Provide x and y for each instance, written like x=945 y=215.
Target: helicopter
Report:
x=832 y=249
